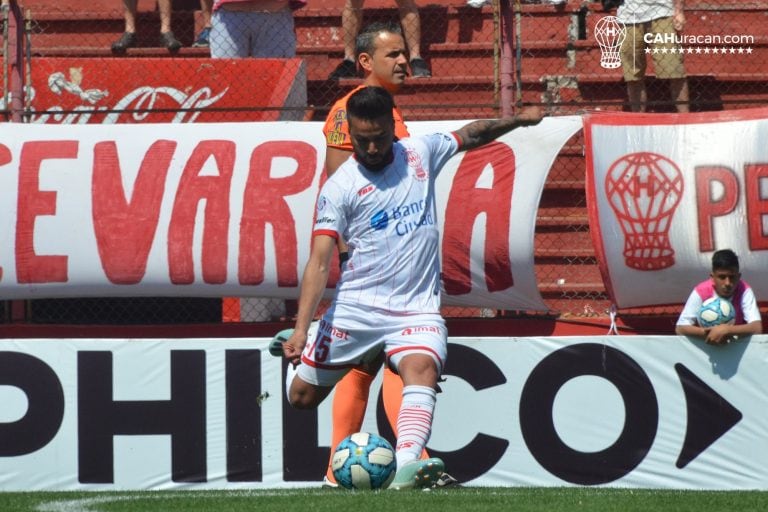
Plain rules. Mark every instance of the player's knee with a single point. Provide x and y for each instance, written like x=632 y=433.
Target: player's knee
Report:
x=301 y=404
x=300 y=400
x=299 y=394
x=305 y=396
x=419 y=369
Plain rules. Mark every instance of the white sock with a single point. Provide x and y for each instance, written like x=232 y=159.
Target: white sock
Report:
x=414 y=422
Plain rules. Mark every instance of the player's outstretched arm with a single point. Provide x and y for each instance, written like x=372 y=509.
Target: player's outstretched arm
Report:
x=479 y=133
x=312 y=287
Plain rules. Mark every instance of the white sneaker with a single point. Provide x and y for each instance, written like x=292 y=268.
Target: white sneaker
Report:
x=418 y=474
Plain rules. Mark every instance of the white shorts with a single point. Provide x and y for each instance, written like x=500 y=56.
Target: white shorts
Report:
x=347 y=337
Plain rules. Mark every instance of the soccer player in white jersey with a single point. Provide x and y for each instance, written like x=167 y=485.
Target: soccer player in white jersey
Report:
x=382 y=201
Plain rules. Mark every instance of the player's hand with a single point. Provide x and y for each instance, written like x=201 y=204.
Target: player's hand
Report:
x=294 y=346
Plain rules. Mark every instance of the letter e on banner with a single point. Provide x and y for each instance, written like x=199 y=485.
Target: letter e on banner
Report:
x=33 y=202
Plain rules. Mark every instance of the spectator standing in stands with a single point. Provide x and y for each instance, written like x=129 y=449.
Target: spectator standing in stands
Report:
x=203 y=38
x=381 y=54
x=352 y=19
x=128 y=39
x=725 y=281
x=657 y=18
x=253 y=28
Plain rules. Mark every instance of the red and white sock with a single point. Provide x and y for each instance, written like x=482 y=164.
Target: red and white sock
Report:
x=414 y=422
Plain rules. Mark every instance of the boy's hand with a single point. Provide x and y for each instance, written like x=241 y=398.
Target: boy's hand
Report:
x=718 y=335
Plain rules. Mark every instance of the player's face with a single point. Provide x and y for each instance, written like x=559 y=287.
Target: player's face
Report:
x=388 y=66
x=372 y=141
x=725 y=280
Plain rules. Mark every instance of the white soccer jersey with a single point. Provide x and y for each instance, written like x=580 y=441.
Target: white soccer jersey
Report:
x=388 y=219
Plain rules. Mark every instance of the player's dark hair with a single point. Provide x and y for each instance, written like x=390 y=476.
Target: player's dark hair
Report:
x=365 y=40
x=725 y=258
x=370 y=103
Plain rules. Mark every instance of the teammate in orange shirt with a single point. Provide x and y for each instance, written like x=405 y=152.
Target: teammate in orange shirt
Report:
x=382 y=55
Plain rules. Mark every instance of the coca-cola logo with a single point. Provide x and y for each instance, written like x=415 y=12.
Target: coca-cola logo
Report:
x=142 y=104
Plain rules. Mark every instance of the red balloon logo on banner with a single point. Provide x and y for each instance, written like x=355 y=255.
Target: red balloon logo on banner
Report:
x=643 y=190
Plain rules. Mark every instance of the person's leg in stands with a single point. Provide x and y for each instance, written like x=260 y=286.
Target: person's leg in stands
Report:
x=129 y=14
x=167 y=38
x=128 y=37
x=633 y=63
x=669 y=64
x=351 y=21
x=411 y=23
x=230 y=35
x=203 y=39
x=680 y=95
x=637 y=95
x=164 y=8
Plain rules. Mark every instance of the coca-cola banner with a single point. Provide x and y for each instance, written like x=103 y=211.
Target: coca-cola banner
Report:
x=118 y=90
x=667 y=190
x=226 y=209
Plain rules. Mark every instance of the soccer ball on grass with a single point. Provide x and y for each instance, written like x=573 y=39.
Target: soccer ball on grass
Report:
x=716 y=311
x=364 y=461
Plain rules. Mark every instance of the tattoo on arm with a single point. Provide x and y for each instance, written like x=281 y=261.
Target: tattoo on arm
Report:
x=478 y=133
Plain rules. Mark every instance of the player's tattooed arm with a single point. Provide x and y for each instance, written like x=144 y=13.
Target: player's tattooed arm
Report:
x=479 y=133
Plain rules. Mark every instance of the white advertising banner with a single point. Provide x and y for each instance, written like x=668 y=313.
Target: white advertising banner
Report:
x=665 y=191
x=227 y=209
x=616 y=411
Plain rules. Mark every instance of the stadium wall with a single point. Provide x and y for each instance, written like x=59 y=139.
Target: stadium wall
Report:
x=614 y=411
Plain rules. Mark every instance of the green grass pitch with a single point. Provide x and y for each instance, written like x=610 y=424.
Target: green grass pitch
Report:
x=464 y=499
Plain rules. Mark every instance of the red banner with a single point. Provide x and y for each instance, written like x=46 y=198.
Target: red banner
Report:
x=118 y=90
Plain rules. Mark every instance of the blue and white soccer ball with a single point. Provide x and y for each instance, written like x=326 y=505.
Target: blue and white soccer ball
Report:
x=716 y=311
x=364 y=461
